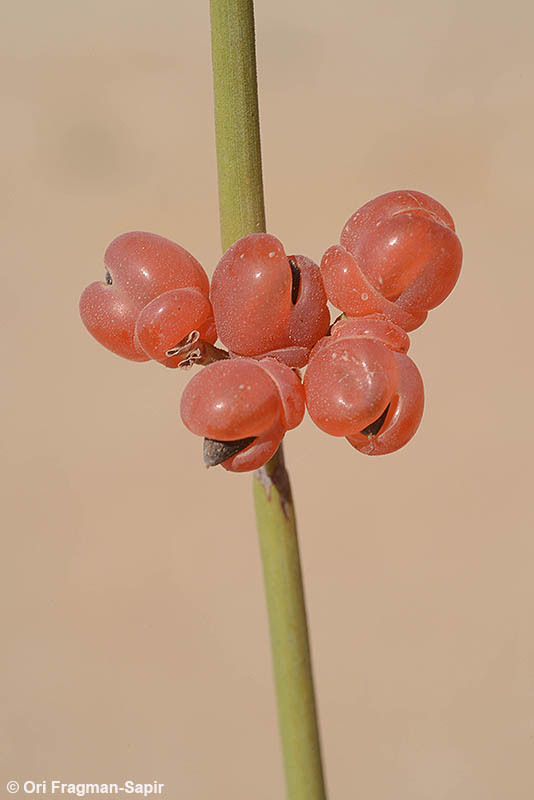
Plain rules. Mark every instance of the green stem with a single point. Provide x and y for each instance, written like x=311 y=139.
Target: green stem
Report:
x=242 y=212
x=289 y=631
x=237 y=124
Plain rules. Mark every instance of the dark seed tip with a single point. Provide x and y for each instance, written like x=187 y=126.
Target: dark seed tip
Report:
x=216 y=451
x=374 y=427
x=295 y=279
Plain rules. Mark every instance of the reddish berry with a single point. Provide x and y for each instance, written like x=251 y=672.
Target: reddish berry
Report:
x=251 y=295
x=399 y=256
x=348 y=289
x=402 y=416
x=144 y=265
x=265 y=302
x=245 y=403
x=167 y=321
x=360 y=384
x=140 y=266
x=230 y=399
x=348 y=384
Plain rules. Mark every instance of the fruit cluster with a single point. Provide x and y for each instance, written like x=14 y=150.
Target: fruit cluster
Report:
x=398 y=258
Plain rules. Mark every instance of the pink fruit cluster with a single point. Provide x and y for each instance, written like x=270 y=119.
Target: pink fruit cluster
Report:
x=398 y=258
x=155 y=293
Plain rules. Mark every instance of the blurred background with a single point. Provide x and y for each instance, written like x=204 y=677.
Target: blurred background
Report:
x=134 y=627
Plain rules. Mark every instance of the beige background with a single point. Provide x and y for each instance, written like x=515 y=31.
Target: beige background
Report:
x=134 y=628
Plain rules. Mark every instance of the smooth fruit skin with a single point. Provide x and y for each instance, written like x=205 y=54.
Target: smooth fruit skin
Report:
x=254 y=303
x=169 y=318
x=144 y=265
x=110 y=316
x=334 y=385
x=348 y=384
x=258 y=453
x=403 y=244
x=349 y=290
x=243 y=397
x=251 y=295
x=230 y=400
x=140 y=266
x=404 y=416
x=406 y=245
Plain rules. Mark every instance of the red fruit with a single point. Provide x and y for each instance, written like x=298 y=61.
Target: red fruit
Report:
x=399 y=256
x=360 y=384
x=251 y=295
x=144 y=265
x=140 y=266
x=245 y=403
x=229 y=400
x=348 y=384
x=265 y=302
x=403 y=415
x=258 y=452
x=348 y=289
x=169 y=318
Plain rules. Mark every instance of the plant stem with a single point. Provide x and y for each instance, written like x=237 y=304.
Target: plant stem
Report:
x=297 y=713
x=242 y=212
x=237 y=125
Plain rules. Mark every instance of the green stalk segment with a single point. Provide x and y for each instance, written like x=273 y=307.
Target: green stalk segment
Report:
x=289 y=632
x=237 y=124
x=242 y=212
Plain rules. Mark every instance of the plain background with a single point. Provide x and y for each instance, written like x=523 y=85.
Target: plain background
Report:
x=134 y=628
